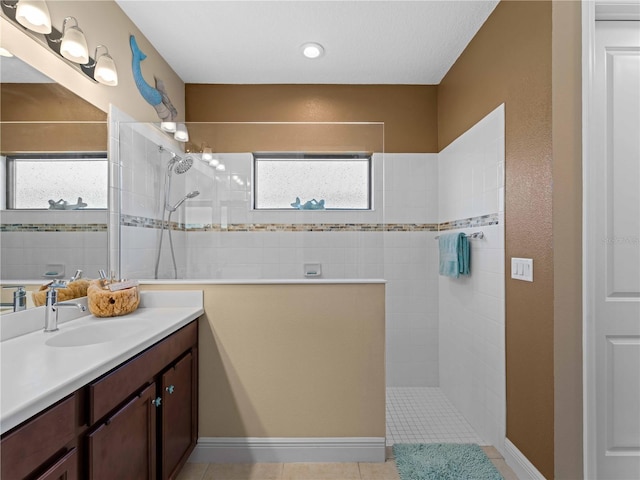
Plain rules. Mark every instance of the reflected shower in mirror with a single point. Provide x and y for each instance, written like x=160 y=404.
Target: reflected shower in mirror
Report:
x=43 y=123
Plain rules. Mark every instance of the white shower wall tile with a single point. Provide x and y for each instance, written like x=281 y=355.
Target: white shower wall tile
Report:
x=471 y=309
x=471 y=171
x=412 y=333
x=410 y=188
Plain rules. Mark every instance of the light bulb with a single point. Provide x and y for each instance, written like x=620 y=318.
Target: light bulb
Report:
x=74 y=44
x=34 y=15
x=181 y=134
x=207 y=154
x=169 y=127
x=312 y=50
x=105 y=71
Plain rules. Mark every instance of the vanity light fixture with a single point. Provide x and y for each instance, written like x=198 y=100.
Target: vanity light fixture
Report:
x=73 y=45
x=70 y=44
x=34 y=15
x=312 y=50
x=181 y=134
x=169 y=127
x=105 y=68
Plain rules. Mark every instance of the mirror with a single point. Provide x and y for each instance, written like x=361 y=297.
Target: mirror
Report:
x=42 y=119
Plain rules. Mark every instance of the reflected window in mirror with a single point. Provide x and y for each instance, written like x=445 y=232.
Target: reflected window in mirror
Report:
x=76 y=181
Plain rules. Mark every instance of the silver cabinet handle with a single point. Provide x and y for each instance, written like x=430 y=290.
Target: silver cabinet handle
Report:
x=156 y=402
x=170 y=389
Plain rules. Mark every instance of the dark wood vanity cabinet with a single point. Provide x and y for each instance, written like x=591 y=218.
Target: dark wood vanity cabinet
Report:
x=44 y=447
x=151 y=425
x=138 y=421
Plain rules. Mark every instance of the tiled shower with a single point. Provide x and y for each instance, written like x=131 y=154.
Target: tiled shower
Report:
x=441 y=332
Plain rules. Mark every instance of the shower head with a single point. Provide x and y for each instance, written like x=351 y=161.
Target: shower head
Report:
x=182 y=164
x=177 y=164
x=189 y=195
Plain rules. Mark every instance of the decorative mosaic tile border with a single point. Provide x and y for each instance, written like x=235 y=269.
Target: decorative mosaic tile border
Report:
x=142 y=222
x=315 y=227
x=481 y=221
x=145 y=222
x=53 y=227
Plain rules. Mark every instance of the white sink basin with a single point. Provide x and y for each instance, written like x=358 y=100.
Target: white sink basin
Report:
x=96 y=333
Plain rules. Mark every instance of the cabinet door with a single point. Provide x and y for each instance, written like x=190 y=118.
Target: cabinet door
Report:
x=65 y=469
x=178 y=435
x=124 y=446
x=31 y=446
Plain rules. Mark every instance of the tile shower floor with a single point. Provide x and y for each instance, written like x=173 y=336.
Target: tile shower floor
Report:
x=425 y=415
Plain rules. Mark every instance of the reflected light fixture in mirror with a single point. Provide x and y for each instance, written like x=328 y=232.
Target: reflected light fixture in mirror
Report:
x=73 y=45
x=34 y=15
x=207 y=154
x=105 y=71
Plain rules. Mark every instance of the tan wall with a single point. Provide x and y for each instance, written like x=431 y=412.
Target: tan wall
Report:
x=409 y=112
x=567 y=235
x=103 y=22
x=509 y=60
x=48 y=105
x=291 y=360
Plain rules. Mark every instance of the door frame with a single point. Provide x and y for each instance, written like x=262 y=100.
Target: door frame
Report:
x=592 y=10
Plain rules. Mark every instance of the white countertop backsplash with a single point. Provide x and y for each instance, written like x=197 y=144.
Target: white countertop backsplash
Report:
x=35 y=375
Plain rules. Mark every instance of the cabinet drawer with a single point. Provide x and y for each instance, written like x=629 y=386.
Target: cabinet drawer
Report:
x=109 y=391
x=64 y=469
x=37 y=441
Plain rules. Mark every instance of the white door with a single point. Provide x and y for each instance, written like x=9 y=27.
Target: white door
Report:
x=612 y=288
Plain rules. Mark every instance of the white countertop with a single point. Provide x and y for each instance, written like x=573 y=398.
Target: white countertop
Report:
x=35 y=375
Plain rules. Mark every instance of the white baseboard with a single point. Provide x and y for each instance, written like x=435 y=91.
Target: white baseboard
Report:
x=271 y=449
x=520 y=464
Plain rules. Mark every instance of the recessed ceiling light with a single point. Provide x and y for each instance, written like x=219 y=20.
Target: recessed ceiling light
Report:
x=312 y=50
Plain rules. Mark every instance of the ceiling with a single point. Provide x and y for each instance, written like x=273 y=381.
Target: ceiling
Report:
x=255 y=42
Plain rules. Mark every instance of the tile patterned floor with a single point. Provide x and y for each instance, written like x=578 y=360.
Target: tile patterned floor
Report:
x=414 y=415
x=425 y=415
x=314 y=471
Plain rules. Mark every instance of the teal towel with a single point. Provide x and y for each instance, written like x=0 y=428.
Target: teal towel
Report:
x=455 y=255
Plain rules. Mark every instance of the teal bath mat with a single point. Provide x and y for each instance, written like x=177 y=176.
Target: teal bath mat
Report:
x=443 y=461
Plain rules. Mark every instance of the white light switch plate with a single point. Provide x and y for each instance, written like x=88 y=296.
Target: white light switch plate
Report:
x=522 y=269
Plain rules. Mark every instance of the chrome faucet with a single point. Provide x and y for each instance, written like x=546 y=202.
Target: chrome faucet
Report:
x=52 y=306
x=19 y=298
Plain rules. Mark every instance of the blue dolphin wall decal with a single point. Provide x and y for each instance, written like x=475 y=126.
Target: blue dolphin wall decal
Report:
x=156 y=97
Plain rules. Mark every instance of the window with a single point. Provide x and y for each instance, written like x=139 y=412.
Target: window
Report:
x=312 y=181
x=33 y=180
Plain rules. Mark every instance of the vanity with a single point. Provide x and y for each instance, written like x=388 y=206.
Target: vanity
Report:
x=103 y=398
